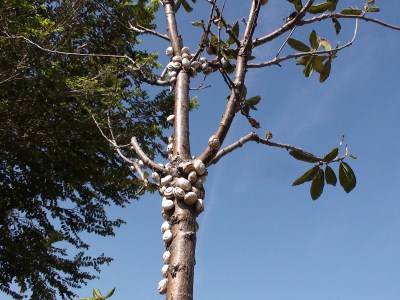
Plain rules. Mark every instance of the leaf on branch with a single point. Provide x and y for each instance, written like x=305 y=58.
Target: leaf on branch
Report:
x=325 y=44
x=252 y=102
x=109 y=294
x=337 y=25
x=309 y=68
x=351 y=12
x=314 y=40
x=319 y=8
x=307 y=176
x=304 y=156
x=330 y=176
x=96 y=293
x=373 y=9
x=297 y=4
x=372 y=2
x=297 y=45
x=253 y=122
x=319 y=63
x=325 y=71
x=235 y=33
x=347 y=177
x=186 y=5
x=198 y=23
x=317 y=185
x=331 y=155
x=333 y=4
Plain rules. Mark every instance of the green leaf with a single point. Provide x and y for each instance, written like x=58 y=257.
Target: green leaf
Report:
x=235 y=33
x=325 y=71
x=325 y=44
x=372 y=2
x=333 y=4
x=303 y=61
x=314 y=40
x=319 y=63
x=253 y=100
x=309 y=68
x=347 y=177
x=317 y=185
x=330 y=176
x=96 y=293
x=373 y=9
x=109 y=294
x=337 y=25
x=319 y=8
x=351 y=12
x=186 y=6
x=307 y=176
x=297 y=4
x=198 y=23
x=297 y=45
x=331 y=155
x=304 y=156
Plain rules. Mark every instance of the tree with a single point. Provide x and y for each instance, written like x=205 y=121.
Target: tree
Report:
x=57 y=174
x=230 y=52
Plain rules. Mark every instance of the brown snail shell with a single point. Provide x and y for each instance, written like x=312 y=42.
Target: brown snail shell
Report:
x=199 y=205
x=192 y=177
x=200 y=167
x=214 y=142
x=179 y=192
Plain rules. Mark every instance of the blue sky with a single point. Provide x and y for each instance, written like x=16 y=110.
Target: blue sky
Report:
x=259 y=237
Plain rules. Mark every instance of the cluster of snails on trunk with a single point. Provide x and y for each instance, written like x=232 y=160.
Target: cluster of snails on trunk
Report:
x=185 y=62
x=188 y=188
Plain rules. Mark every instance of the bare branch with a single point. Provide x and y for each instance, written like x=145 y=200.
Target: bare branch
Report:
x=146 y=160
x=277 y=61
x=142 y=29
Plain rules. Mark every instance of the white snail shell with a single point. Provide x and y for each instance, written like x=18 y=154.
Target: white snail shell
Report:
x=186 y=63
x=141 y=164
x=179 y=193
x=170 y=118
x=185 y=50
x=162 y=286
x=165 y=226
x=214 y=142
x=165 y=214
x=192 y=177
x=170 y=139
x=169 y=51
x=184 y=184
x=164 y=270
x=176 y=66
x=167 y=204
x=195 y=65
x=162 y=190
x=172 y=79
x=166 y=179
x=186 y=55
x=167 y=236
x=170 y=148
x=156 y=177
x=199 y=205
x=187 y=167
x=170 y=66
x=199 y=167
x=166 y=257
x=169 y=192
x=172 y=74
x=190 y=198
x=177 y=58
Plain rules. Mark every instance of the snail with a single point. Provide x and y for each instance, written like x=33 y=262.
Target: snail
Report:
x=214 y=142
x=165 y=226
x=170 y=118
x=186 y=63
x=179 y=192
x=162 y=286
x=164 y=270
x=190 y=198
x=184 y=184
x=199 y=205
x=167 y=204
x=169 y=51
x=166 y=257
x=167 y=236
x=192 y=177
x=199 y=167
x=156 y=177
x=185 y=50
x=166 y=180
x=169 y=192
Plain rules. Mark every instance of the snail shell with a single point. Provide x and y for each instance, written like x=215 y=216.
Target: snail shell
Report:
x=169 y=192
x=187 y=167
x=190 y=198
x=141 y=164
x=193 y=72
x=184 y=184
x=199 y=205
x=195 y=65
x=162 y=190
x=166 y=257
x=214 y=142
x=162 y=286
x=202 y=179
x=179 y=193
x=165 y=214
x=170 y=139
x=170 y=66
x=198 y=192
x=170 y=118
x=186 y=63
x=200 y=167
x=185 y=50
x=186 y=55
x=203 y=59
x=172 y=79
x=167 y=236
x=192 y=177
x=165 y=226
x=177 y=58
x=169 y=51
x=176 y=66
x=165 y=180
x=198 y=184
x=170 y=148
x=156 y=177
x=172 y=74
x=164 y=270
x=167 y=204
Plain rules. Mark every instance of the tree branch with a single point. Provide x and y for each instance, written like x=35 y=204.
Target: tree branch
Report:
x=277 y=61
x=146 y=160
x=142 y=29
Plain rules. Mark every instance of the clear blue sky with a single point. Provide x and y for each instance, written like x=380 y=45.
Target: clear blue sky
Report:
x=259 y=237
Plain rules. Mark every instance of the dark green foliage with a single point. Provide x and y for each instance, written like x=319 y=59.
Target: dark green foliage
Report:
x=58 y=175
